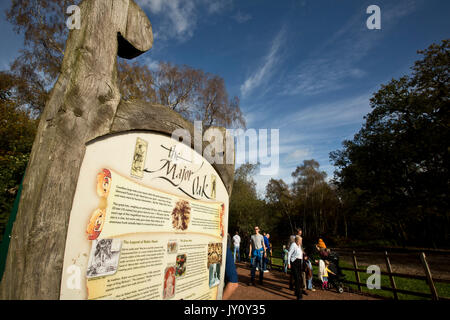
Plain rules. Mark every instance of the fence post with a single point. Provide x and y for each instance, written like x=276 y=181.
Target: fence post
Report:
x=355 y=265
x=434 y=293
x=391 y=277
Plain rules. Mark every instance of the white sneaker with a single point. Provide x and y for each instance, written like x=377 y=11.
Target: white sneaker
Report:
x=266 y=270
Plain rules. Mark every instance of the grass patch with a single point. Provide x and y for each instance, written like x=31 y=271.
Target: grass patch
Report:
x=277 y=261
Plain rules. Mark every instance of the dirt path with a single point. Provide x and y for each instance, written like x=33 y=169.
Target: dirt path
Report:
x=276 y=287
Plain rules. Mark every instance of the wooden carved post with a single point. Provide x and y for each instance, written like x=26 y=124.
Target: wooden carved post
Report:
x=391 y=277
x=84 y=106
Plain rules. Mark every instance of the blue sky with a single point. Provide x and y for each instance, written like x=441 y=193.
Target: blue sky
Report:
x=307 y=68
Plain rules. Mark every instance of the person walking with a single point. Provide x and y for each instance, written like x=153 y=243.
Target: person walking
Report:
x=257 y=254
x=236 y=244
x=295 y=260
x=291 y=241
x=268 y=252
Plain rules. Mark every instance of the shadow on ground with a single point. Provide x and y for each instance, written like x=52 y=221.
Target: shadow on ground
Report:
x=276 y=287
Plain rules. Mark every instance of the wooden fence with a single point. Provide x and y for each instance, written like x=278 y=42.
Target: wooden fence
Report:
x=392 y=275
x=428 y=278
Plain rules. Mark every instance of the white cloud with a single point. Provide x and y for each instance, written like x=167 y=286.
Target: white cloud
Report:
x=266 y=69
x=179 y=18
x=299 y=154
x=262 y=180
x=320 y=117
x=331 y=65
x=218 y=6
x=398 y=11
x=314 y=131
x=154 y=5
x=151 y=64
x=332 y=68
x=242 y=17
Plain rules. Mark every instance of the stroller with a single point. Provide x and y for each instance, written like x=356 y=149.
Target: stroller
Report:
x=335 y=281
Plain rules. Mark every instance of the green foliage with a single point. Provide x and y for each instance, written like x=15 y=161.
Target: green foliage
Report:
x=280 y=201
x=394 y=173
x=246 y=209
x=316 y=201
x=310 y=203
x=17 y=131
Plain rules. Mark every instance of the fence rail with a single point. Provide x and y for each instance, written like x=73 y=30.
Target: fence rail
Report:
x=401 y=275
x=393 y=288
x=392 y=275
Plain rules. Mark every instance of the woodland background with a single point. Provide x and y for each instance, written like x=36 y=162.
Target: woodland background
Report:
x=391 y=184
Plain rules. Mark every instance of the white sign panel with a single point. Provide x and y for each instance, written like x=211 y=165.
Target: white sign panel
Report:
x=148 y=221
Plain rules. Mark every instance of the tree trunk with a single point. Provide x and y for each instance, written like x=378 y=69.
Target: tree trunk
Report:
x=345 y=226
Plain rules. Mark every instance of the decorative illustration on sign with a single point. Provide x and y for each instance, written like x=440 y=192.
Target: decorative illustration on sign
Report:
x=95 y=224
x=103 y=183
x=181 y=215
x=169 y=282
x=180 y=267
x=98 y=217
x=104 y=258
x=214 y=275
x=172 y=247
x=140 y=152
x=213 y=186
x=214 y=253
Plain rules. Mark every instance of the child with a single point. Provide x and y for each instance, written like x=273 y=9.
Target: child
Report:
x=308 y=273
x=285 y=258
x=321 y=271
x=324 y=270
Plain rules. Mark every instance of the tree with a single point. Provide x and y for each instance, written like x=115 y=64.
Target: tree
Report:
x=316 y=201
x=396 y=167
x=176 y=86
x=215 y=108
x=246 y=209
x=17 y=130
x=307 y=179
x=42 y=22
x=136 y=82
x=189 y=91
x=280 y=198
